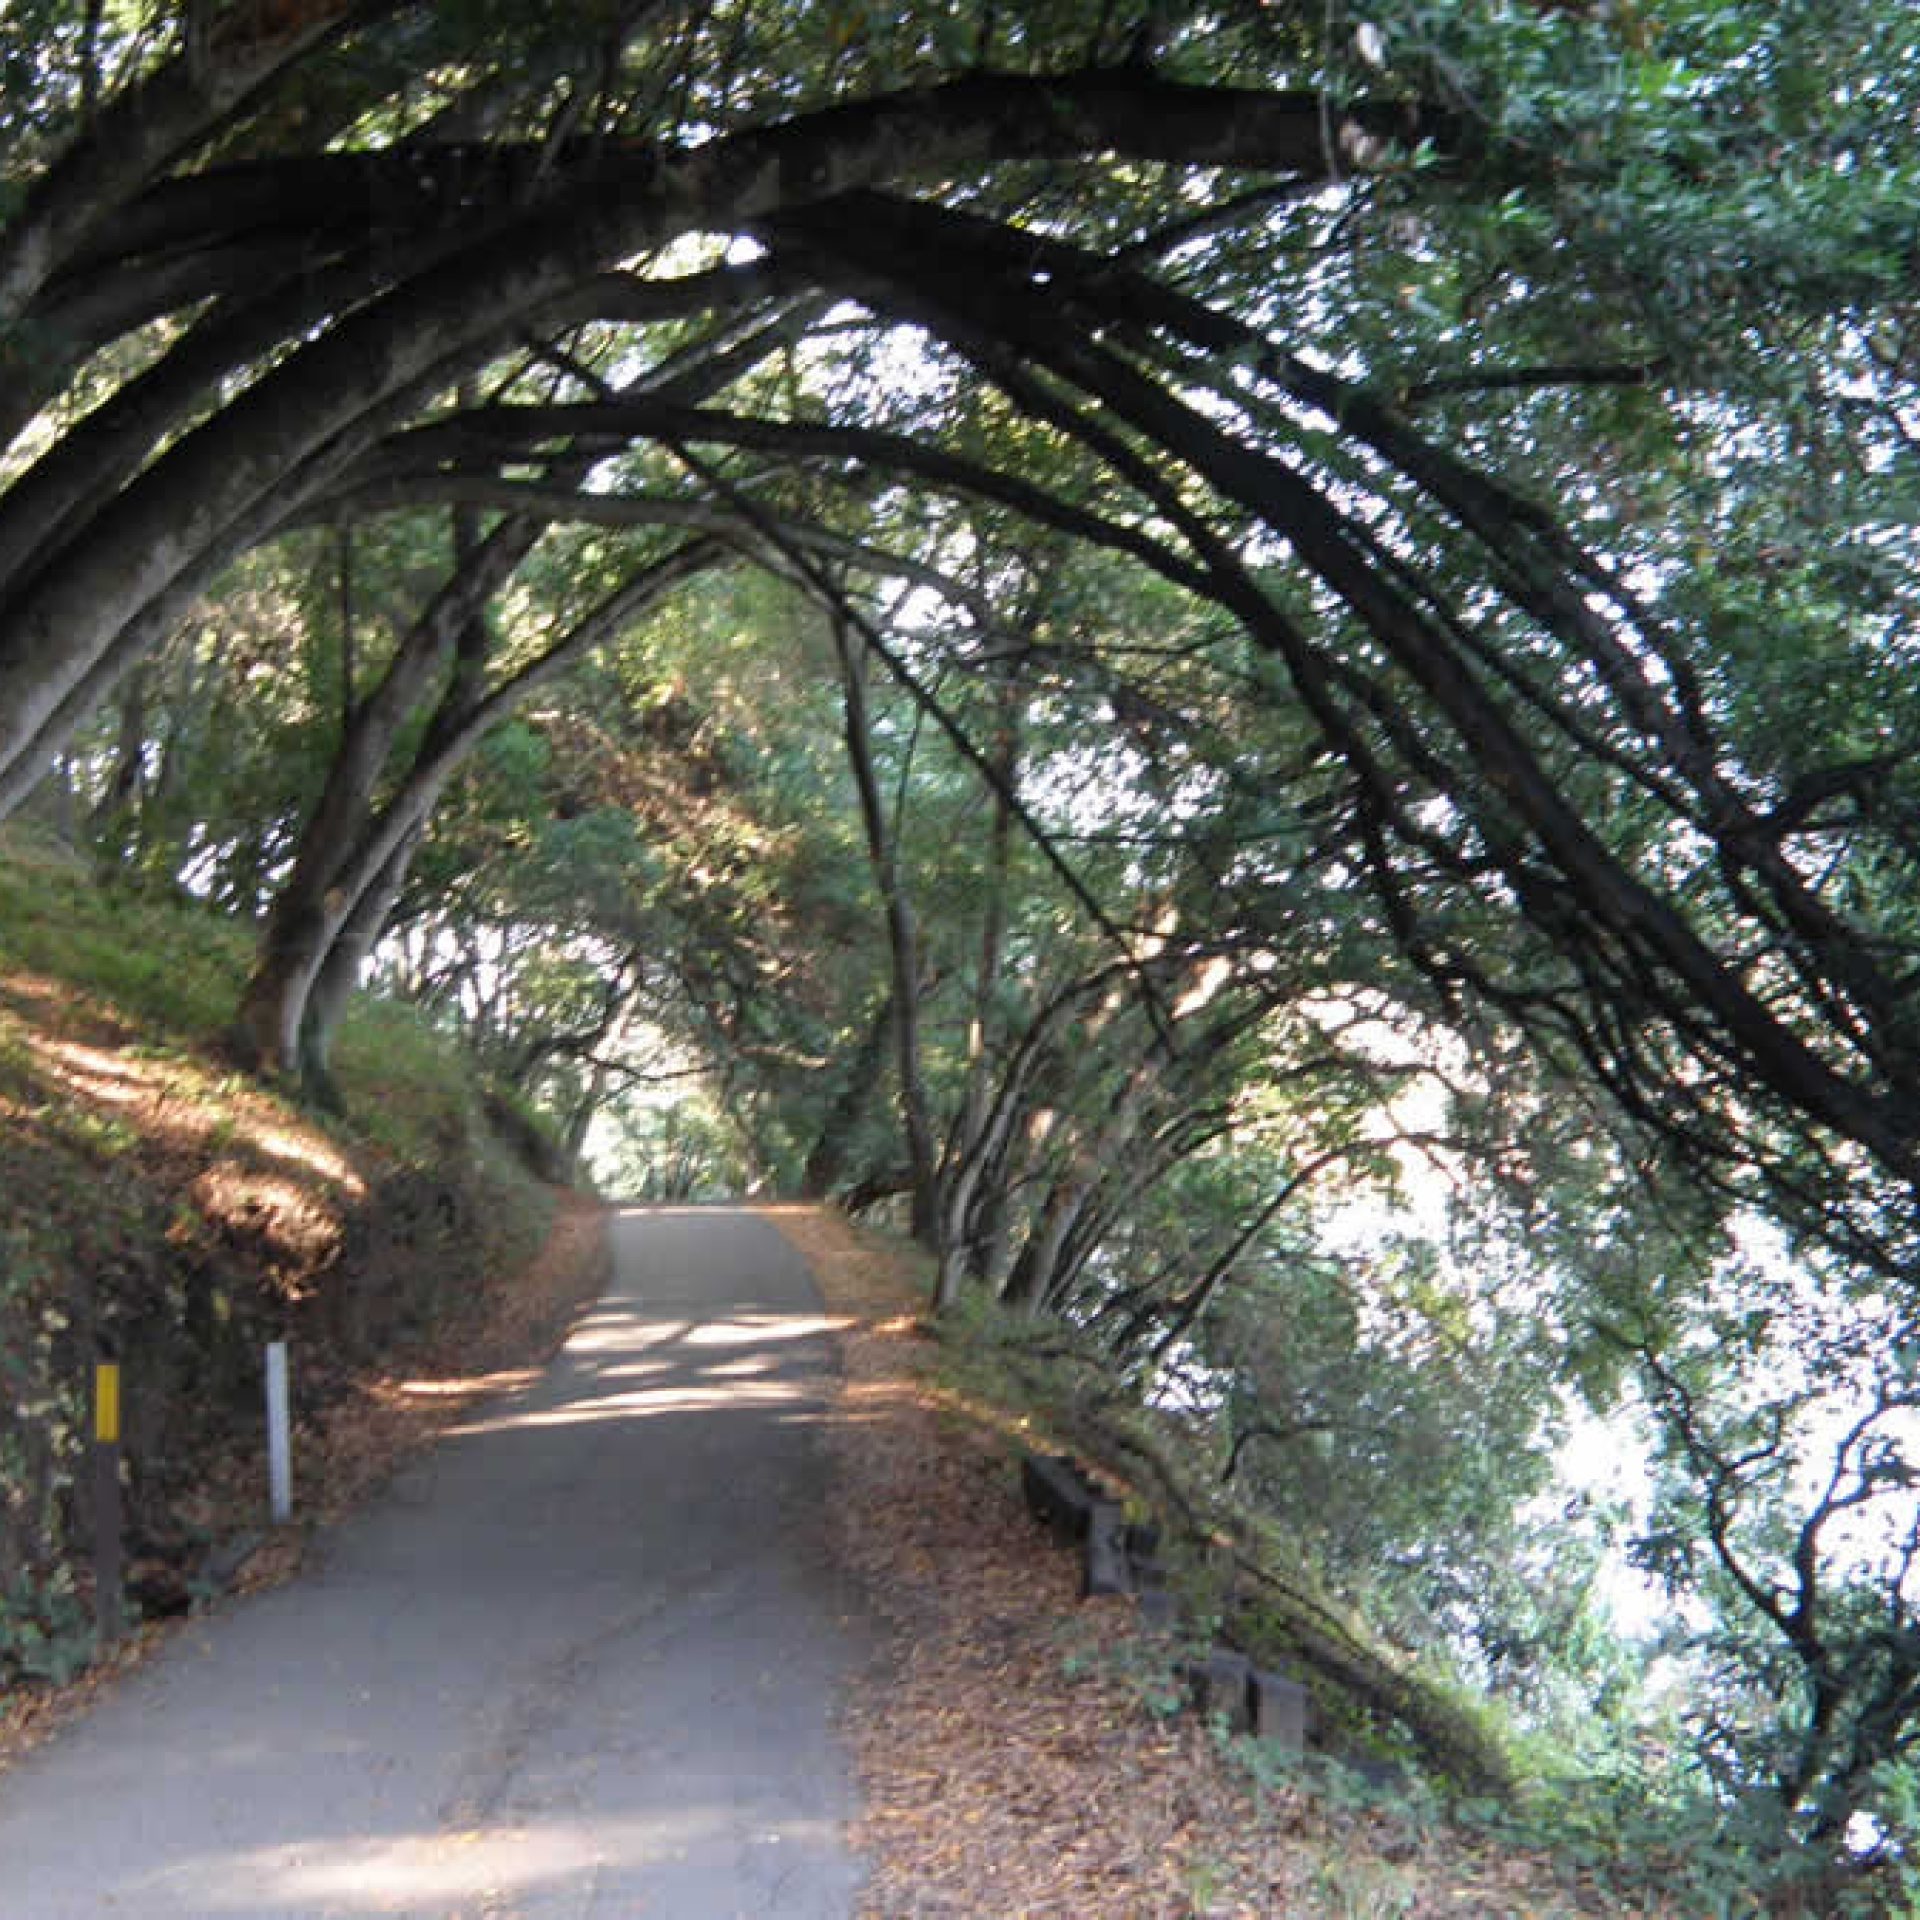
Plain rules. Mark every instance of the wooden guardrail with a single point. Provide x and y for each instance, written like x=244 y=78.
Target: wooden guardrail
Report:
x=1119 y=1558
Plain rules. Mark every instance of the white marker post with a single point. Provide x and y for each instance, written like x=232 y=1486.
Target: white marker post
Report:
x=279 y=1435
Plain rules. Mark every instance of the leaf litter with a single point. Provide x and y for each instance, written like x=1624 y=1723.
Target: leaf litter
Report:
x=1016 y=1746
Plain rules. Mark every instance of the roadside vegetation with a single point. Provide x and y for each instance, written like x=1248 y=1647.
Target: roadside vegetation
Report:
x=1025 y=1750
x=171 y=1213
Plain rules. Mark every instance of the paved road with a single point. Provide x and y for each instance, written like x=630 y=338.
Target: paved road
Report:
x=582 y=1659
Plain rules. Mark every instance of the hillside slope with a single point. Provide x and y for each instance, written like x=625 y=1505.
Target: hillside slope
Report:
x=165 y=1212
x=1021 y=1750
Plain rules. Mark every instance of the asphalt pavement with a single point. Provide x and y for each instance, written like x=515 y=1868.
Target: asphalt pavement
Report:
x=582 y=1659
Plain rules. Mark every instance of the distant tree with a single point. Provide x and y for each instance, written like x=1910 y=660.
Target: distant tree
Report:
x=1790 y=1497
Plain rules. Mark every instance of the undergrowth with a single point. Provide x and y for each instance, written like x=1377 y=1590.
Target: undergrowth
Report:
x=1634 y=1845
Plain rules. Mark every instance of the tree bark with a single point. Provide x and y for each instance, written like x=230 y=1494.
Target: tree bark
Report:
x=1009 y=330
x=268 y=1030
x=964 y=1163
x=903 y=939
x=337 y=977
x=311 y=907
x=609 y=206
x=826 y=1165
x=144 y=129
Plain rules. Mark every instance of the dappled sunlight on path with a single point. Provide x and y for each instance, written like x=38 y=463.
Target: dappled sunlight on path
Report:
x=447 y=1872
x=624 y=1364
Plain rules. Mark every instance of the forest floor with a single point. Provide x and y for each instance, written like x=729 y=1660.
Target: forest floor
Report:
x=1018 y=1747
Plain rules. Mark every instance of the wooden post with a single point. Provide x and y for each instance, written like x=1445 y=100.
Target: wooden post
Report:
x=1220 y=1685
x=108 y=1560
x=1057 y=1494
x=1105 y=1567
x=1282 y=1712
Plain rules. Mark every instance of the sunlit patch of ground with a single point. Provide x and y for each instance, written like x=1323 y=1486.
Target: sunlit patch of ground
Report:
x=525 y=1318
x=243 y=1164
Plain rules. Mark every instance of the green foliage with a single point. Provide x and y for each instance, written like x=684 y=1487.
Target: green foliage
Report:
x=1635 y=1837
x=1399 y=1438
x=673 y=1154
x=173 y=965
x=1706 y=168
x=46 y=1635
x=1797 y=1424
x=407 y=1088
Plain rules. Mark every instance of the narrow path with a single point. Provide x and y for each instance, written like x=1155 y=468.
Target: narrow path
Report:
x=581 y=1660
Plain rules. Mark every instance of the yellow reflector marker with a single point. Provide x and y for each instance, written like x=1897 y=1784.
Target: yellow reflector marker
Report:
x=106 y=1403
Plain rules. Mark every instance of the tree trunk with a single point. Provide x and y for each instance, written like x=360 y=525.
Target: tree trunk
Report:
x=827 y=1164
x=903 y=941
x=111 y=818
x=338 y=976
x=268 y=1029
x=1031 y=1284
x=320 y=892
x=593 y=1096
x=966 y=1160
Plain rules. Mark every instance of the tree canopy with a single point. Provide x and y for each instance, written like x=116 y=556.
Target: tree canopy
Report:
x=1292 y=554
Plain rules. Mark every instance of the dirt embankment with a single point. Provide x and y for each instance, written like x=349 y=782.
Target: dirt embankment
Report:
x=351 y=1439
x=170 y=1215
